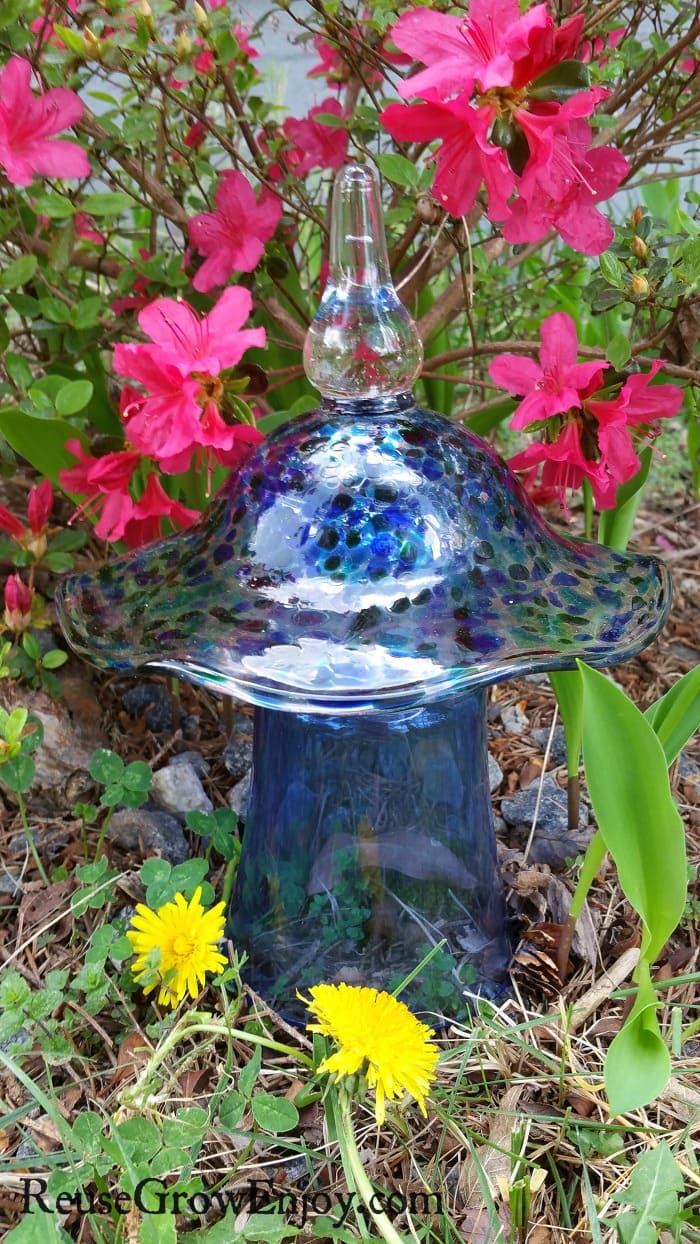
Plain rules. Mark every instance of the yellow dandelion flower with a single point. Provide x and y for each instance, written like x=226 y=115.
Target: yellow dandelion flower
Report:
x=186 y=936
x=377 y=1035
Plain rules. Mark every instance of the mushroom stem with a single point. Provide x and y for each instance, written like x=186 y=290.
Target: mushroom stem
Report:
x=369 y=840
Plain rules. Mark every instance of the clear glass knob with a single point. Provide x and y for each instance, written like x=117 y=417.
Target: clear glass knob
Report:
x=362 y=341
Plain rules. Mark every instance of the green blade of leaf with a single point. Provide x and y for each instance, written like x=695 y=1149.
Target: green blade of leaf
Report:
x=638 y=1064
x=676 y=716
x=568 y=688
x=628 y=783
x=615 y=526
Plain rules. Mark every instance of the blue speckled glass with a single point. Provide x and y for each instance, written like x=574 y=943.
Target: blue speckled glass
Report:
x=362 y=579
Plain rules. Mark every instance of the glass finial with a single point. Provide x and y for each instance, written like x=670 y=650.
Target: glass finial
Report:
x=362 y=341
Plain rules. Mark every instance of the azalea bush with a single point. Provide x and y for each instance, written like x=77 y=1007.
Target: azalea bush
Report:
x=163 y=248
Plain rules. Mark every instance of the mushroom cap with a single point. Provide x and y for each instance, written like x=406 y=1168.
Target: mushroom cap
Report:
x=368 y=555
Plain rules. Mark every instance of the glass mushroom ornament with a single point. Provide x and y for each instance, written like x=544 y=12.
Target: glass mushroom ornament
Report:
x=363 y=578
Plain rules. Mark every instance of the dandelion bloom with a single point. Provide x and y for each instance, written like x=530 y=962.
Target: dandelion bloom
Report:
x=378 y=1036
x=28 y=124
x=186 y=936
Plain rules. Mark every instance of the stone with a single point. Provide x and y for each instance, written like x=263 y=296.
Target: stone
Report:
x=557 y=752
x=178 y=789
x=552 y=815
x=495 y=774
x=154 y=700
x=63 y=759
x=514 y=720
x=689 y=771
x=156 y=833
x=9 y=884
x=238 y=755
x=199 y=762
x=239 y=796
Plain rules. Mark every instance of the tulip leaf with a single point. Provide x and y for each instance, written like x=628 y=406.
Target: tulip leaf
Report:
x=568 y=688
x=627 y=778
x=638 y=1064
x=615 y=526
x=676 y=716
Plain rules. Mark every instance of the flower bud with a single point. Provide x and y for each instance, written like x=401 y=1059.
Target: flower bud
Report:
x=92 y=46
x=183 y=45
x=639 y=247
x=18 y=604
x=201 y=17
x=640 y=286
x=145 y=11
x=637 y=216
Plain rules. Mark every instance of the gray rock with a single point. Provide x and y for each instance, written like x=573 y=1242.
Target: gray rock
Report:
x=238 y=755
x=500 y=826
x=239 y=796
x=17 y=1038
x=154 y=700
x=177 y=789
x=155 y=832
x=514 y=719
x=557 y=753
x=495 y=774
x=552 y=816
x=49 y=839
x=9 y=884
x=199 y=763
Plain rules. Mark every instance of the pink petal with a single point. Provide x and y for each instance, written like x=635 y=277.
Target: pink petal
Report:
x=173 y=325
x=559 y=342
x=515 y=372
x=57 y=157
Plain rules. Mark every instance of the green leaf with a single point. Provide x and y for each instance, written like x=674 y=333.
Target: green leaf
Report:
x=87 y=313
x=612 y=270
x=618 y=351
x=15 y=724
x=19 y=272
x=73 y=41
x=487 y=420
x=269 y=1228
x=30 y=643
x=54 y=659
x=676 y=716
x=231 y=1110
x=106 y=767
x=249 y=1074
x=628 y=783
x=108 y=203
x=653 y=1190
x=73 y=397
x=568 y=689
x=561 y=82
x=37 y=1227
x=4 y=335
x=274 y=1114
x=398 y=169
x=615 y=525
x=61 y=247
x=138 y=776
x=41 y=441
x=638 y=1064
x=17 y=774
x=58 y=562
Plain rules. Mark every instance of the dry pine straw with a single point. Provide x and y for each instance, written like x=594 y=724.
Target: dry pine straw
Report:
x=536 y=1062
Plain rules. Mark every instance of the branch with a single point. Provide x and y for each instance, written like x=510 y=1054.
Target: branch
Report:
x=158 y=194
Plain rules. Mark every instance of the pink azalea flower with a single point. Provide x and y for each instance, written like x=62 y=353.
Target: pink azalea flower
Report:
x=466 y=158
x=585 y=436
x=85 y=229
x=565 y=180
x=39 y=506
x=28 y=124
x=195 y=135
x=145 y=523
x=180 y=369
x=494 y=45
x=18 y=604
x=233 y=237
x=314 y=144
